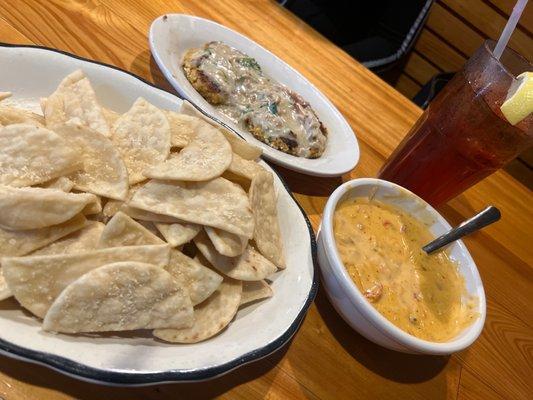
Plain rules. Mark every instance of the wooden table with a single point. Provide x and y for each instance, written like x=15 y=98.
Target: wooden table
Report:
x=326 y=359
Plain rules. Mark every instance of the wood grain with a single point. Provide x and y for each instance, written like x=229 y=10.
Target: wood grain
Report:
x=491 y=23
x=440 y=53
x=456 y=28
x=407 y=85
x=506 y=7
x=326 y=359
x=420 y=68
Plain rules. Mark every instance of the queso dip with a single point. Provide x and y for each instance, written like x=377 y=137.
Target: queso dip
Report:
x=381 y=248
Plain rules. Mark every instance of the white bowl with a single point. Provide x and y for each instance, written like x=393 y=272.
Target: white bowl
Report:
x=135 y=358
x=352 y=305
x=171 y=35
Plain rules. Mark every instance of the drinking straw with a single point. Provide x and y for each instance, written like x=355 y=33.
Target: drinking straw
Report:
x=509 y=28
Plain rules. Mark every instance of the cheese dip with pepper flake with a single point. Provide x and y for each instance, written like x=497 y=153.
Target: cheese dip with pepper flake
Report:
x=381 y=248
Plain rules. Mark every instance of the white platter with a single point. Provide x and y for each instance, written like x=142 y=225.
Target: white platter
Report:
x=172 y=35
x=137 y=359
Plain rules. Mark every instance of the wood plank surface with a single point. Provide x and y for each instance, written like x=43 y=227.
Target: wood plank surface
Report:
x=439 y=52
x=506 y=7
x=326 y=359
x=407 y=86
x=456 y=28
x=420 y=69
x=490 y=23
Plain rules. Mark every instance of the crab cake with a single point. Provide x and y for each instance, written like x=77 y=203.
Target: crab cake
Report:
x=234 y=83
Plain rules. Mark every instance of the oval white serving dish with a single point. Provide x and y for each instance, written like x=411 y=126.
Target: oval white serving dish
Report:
x=349 y=301
x=171 y=35
x=32 y=72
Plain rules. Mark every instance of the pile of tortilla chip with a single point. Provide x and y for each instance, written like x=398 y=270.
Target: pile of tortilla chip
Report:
x=151 y=219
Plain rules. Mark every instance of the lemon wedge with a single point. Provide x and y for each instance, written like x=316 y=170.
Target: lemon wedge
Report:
x=519 y=103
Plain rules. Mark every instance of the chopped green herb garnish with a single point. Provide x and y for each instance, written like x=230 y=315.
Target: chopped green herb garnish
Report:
x=273 y=108
x=249 y=62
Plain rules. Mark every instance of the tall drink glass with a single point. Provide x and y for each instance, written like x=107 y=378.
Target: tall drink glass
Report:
x=463 y=137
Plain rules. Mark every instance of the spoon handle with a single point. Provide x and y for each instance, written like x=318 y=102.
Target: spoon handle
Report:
x=486 y=217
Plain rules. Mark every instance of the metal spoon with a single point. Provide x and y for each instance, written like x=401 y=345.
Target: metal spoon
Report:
x=486 y=217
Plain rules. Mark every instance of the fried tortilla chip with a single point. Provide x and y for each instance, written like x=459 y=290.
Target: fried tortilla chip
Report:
x=5 y=95
x=19 y=243
x=239 y=145
x=207 y=156
x=210 y=317
x=4 y=290
x=245 y=168
x=114 y=206
x=199 y=280
x=218 y=203
x=93 y=208
x=119 y=297
x=142 y=136
x=104 y=172
x=249 y=266
x=62 y=183
x=177 y=234
x=12 y=115
x=30 y=155
x=82 y=240
x=110 y=116
x=75 y=101
x=122 y=230
x=148 y=216
x=255 y=290
x=226 y=243
x=33 y=208
x=182 y=128
x=149 y=225
x=267 y=235
x=36 y=281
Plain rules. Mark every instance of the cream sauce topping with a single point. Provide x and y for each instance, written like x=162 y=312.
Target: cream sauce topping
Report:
x=380 y=246
x=271 y=111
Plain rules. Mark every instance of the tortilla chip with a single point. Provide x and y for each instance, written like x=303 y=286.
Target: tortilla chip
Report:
x=218 y=203
x=182 y=128
x=148 y=216
x=36 y=281
x=104 y=172
x=199 y=280
x=177 y=234
x=149 y=225
x=238 y=145
x=19 y=243
x=93 y=208
x=30 y=155
x=121 y=230
x=119 y=297
x=207 y=156
x=75 y=101
x=142 y=136
x=82 y=240
x=4 y=289
x=12 y=115
x=267 y=235
x=62 y=183
x=249 y=266
x=245 y=168
x=33 y=208
x=110 y=116
x=226 y=243
x=210 y=317
x=255 y=290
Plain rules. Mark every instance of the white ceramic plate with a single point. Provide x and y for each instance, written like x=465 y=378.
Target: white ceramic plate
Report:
x=172 y=35
x=258 y=330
